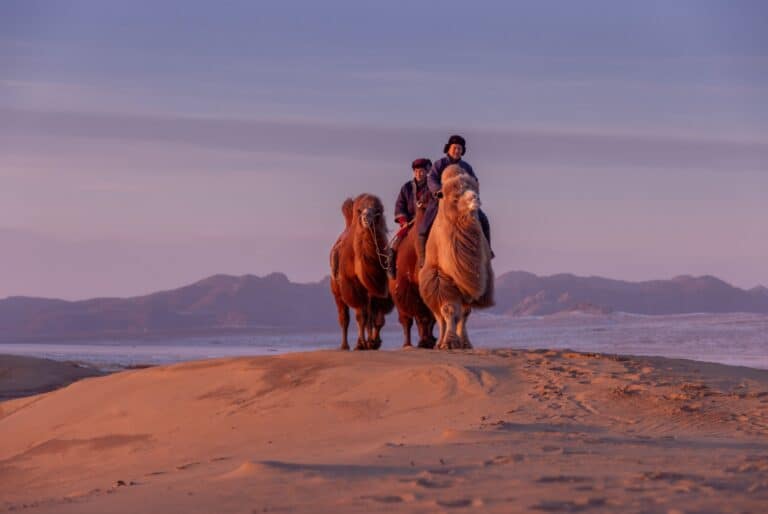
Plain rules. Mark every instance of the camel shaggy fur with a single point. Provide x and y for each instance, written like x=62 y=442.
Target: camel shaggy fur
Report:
x=404 y=289
x=359 y=280
x=457 y=273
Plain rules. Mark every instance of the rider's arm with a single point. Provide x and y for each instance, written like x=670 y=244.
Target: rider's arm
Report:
x=433 y=178
x=469 y=170
x=401 y=206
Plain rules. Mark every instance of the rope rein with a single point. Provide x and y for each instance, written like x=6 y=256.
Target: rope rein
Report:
x=383 y=257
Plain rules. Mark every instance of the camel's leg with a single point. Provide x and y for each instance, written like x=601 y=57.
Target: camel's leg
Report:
x=461 y=327
x=368 y=330
x=376 y=341
x=378 y=318
x=343 y=322
x=442 y=323
x=425 y=325
x=370 y=327
x=430 y=331
x=407 y=323
x=361 y=315
x=451 y=314
x=432 y=323
x=442 y=330
x=372 y=341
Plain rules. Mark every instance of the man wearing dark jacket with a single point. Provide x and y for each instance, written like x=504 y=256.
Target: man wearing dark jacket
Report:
x=454 y=149
x=413 y=195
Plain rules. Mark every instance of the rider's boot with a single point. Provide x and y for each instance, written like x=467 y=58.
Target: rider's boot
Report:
x=421 y=249
x=391 y=262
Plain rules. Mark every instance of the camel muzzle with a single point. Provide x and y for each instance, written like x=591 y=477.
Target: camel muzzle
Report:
x=368 y=218
x=474 y=201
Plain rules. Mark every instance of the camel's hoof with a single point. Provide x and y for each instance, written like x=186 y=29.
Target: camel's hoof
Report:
x=374 y=344
x=407 y=345
x=344 y=347
x=428 y=344
x=451 y=343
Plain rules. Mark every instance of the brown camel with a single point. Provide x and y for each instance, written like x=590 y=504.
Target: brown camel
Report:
x=457 y=273
x=404 y=289
x=358 y=279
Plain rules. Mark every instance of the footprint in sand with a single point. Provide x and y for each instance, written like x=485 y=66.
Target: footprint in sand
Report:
x=427 y=481
x=188 y=465
x=569 y=506
x=458 y=503
x=752 y=464
x=384 y=498
x=627 y=390
x=433 y=484
x=563 y=479
x=504 y=459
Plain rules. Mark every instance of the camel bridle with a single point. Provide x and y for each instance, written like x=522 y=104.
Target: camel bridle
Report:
x=383 y=257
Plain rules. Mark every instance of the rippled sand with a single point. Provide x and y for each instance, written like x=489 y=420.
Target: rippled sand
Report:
x=408 y=431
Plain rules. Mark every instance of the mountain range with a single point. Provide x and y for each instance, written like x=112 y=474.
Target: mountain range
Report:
x=232 y=304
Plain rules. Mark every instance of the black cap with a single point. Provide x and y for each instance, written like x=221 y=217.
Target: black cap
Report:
x=456 y=140
x=421 y=163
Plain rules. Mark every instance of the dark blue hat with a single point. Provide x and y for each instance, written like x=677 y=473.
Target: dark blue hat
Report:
x=456 y=140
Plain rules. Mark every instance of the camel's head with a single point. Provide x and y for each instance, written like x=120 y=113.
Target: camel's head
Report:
x=460 y=193
x=369 y=211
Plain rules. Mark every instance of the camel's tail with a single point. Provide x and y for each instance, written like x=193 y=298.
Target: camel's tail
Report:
x=346 y=209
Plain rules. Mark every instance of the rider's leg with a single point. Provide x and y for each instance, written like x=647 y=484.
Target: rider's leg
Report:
x=426 y=224
x=392 y=258
x=486 y=228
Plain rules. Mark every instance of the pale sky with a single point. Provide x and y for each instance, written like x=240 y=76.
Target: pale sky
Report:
x=146 y=145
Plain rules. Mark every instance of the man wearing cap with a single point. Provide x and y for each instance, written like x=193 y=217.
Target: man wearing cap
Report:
x=454 y=149
x=413 y=195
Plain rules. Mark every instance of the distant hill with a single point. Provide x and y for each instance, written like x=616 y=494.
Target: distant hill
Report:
x=522 y=293
x=226 y=304
x=220 y=303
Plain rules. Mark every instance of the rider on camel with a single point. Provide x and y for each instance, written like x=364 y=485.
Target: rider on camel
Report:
x=413 y=194
x=454 y=149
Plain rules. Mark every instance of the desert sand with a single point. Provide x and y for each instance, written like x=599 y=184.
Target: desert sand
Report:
x=395 y=431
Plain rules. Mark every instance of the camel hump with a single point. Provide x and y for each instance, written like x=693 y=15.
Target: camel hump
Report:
x=453 y=171
x=454 y=174
x=346 y=210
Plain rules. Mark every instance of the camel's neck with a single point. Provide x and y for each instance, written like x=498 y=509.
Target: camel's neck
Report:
x=369 y=241
x=465 y=253
x=419 y=216
x=369 y=246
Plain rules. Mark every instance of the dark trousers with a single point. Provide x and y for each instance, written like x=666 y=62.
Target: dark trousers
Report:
x=431 y=213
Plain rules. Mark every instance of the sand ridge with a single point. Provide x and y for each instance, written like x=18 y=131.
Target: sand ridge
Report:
x=402 y=431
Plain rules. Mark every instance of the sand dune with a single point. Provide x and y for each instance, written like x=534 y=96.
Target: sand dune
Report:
x=407 y=431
